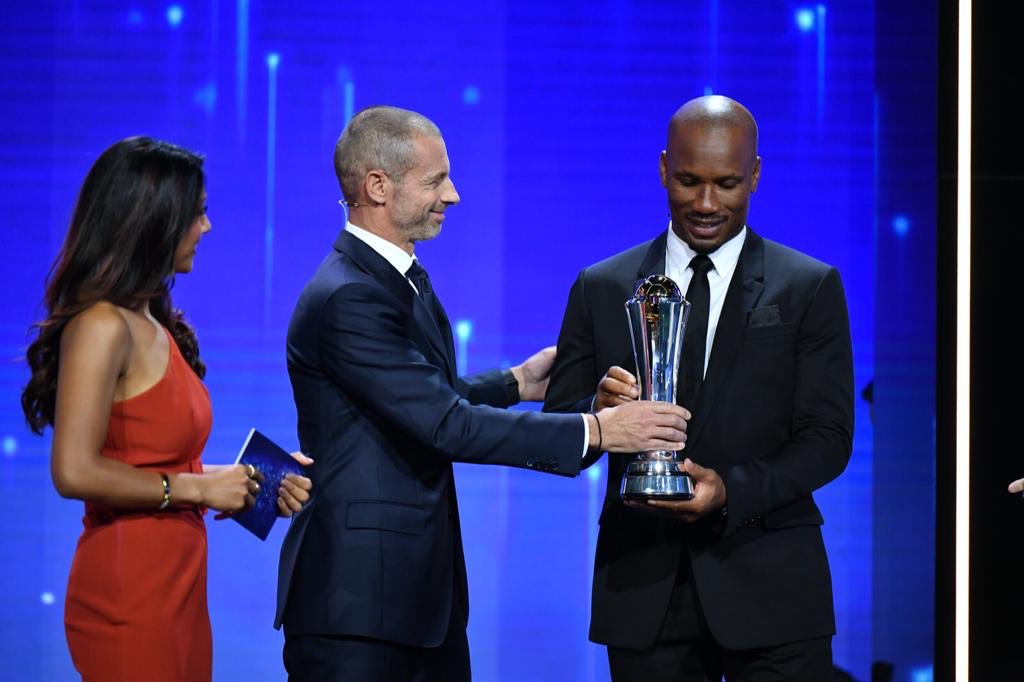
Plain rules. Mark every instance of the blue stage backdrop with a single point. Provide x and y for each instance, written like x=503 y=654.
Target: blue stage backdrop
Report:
x=554 y=115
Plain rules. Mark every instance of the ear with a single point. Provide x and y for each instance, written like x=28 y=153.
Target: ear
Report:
x=663 y=168
x=376 y=183
x=755 y=177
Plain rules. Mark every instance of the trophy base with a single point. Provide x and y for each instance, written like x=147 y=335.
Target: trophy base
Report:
x=658 y=479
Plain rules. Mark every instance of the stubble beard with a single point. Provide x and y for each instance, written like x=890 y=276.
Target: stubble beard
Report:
x=419 y=228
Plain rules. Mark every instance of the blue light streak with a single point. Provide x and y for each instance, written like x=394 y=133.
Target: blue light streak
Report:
x=821 y=63
x=348 y=96
x=241 y=64
x=273 y=61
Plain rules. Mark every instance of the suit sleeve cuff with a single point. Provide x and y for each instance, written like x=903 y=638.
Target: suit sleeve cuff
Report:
x=511 y=387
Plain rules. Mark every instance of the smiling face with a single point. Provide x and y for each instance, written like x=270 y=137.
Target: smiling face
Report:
x=425 y=192
x=186 y=251
x=709 y=170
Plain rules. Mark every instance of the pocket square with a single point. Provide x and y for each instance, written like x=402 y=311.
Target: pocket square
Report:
x=768 y=316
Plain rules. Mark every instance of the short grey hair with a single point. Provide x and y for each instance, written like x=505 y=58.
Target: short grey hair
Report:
x=378 y=138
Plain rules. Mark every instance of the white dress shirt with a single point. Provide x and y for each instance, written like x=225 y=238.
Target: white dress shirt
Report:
x=392 y=253
x=725 y=258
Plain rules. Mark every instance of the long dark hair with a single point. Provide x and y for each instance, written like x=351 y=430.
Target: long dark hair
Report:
x=137 y=202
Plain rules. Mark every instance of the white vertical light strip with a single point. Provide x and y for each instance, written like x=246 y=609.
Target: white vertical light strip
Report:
x=595 y=485
x=963 y=342
x=463 y=332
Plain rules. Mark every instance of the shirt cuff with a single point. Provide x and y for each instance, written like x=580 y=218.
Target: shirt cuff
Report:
x=586 y=437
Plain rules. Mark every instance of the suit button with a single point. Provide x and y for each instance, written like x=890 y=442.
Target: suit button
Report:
x=530 y=463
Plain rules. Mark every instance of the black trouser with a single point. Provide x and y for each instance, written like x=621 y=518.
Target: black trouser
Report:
x=686 y=652
x=327 y=658
x=705 y=661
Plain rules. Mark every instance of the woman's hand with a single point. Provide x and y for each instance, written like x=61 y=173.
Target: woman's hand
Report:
x=294 y=490
x=228 y=489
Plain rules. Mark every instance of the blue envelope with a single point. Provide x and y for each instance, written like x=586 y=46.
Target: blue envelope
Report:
x=274 y=463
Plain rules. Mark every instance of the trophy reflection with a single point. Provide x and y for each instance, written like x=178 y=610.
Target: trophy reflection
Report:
x=657 y=317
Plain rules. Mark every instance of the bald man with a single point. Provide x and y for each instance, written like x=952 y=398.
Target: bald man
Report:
x=734 y=582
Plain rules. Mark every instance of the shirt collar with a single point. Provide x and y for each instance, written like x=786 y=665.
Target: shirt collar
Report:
x=724 y=258
x=392 y=253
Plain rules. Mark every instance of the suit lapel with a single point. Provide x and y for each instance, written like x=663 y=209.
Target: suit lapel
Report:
x=387 y=276
x=742 y=296
x=653 y=262
x=446 y=334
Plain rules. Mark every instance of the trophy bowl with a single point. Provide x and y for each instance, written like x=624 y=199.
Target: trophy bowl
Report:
x=657 y=315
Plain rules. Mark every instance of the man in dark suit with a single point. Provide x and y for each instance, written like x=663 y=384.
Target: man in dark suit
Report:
x=372 y=582
x=734 y=582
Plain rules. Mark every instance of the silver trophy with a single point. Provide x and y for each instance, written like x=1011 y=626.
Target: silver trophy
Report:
x=657 y=317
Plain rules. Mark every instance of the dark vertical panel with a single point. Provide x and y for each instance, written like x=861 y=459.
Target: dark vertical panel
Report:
x=946 y=269
x=997 y=518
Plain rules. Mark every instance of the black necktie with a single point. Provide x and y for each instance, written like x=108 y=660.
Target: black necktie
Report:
x=417 y=274
x=696 y=335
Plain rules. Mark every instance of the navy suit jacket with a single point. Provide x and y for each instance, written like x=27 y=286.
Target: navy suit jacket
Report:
x=774 y=419
x=377 y=551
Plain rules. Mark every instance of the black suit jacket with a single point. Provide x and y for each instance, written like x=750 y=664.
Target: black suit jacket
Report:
x=377 y=552
x=774 y=419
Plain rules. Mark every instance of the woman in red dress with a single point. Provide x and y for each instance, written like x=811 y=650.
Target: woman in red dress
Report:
x=116 y=373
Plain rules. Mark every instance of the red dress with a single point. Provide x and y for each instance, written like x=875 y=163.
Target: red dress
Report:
x=136 y=599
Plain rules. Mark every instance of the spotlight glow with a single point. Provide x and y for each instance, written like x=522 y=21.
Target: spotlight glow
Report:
x=174 y=15
x=901 y=225
x=206 y=97
x=921 y=674
x=471 y=95
x=805 y=19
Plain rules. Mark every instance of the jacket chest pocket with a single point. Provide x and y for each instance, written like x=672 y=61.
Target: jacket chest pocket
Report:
x=380 y=515
x=769 y=332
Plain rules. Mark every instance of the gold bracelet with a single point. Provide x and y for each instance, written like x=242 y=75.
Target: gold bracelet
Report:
x=164 y=503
